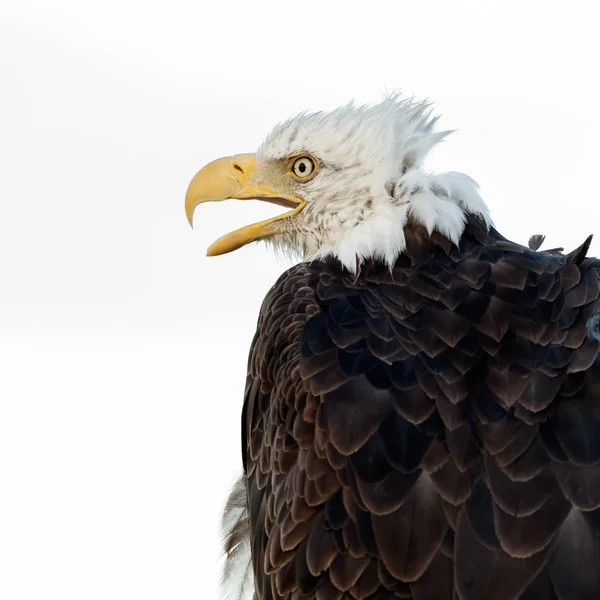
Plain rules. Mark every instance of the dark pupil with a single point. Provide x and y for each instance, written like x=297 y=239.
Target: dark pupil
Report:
x=302 y=167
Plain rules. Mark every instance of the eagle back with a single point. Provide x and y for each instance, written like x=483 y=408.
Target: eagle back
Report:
x=430 y=431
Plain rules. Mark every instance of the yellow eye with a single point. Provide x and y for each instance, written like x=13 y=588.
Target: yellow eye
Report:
x=303 y=167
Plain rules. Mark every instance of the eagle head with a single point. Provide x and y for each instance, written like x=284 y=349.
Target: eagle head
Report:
x=353 y=179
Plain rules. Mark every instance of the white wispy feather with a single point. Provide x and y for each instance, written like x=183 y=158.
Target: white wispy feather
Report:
x=237 y=577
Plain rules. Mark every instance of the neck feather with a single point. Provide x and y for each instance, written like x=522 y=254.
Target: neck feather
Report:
x=437 y=202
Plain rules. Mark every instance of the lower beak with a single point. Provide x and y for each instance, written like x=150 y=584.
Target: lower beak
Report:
x=232 y=177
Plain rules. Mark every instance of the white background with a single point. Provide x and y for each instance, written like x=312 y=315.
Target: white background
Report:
x=122 y=347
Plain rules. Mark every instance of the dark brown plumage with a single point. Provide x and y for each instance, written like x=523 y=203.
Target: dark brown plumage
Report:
x=432 y=432
x=536 y=241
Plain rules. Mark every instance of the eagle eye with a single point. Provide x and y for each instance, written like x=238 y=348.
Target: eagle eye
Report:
x=303 y=167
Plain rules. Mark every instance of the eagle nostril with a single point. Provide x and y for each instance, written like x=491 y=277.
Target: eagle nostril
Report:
x=238 y=168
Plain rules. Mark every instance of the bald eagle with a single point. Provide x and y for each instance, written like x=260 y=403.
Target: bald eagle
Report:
x=421 y=417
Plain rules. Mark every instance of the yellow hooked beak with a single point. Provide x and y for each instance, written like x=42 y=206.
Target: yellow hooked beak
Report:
x=235 y=177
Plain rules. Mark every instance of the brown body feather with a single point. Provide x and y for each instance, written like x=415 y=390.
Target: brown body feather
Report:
x=430 y=432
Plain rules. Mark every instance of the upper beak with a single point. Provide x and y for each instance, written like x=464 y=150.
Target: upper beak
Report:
x=232 y=177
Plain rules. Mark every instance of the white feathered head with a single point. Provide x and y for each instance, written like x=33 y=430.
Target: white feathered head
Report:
x=354 y=179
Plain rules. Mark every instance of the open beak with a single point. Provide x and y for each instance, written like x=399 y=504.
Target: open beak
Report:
x=234 y=177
